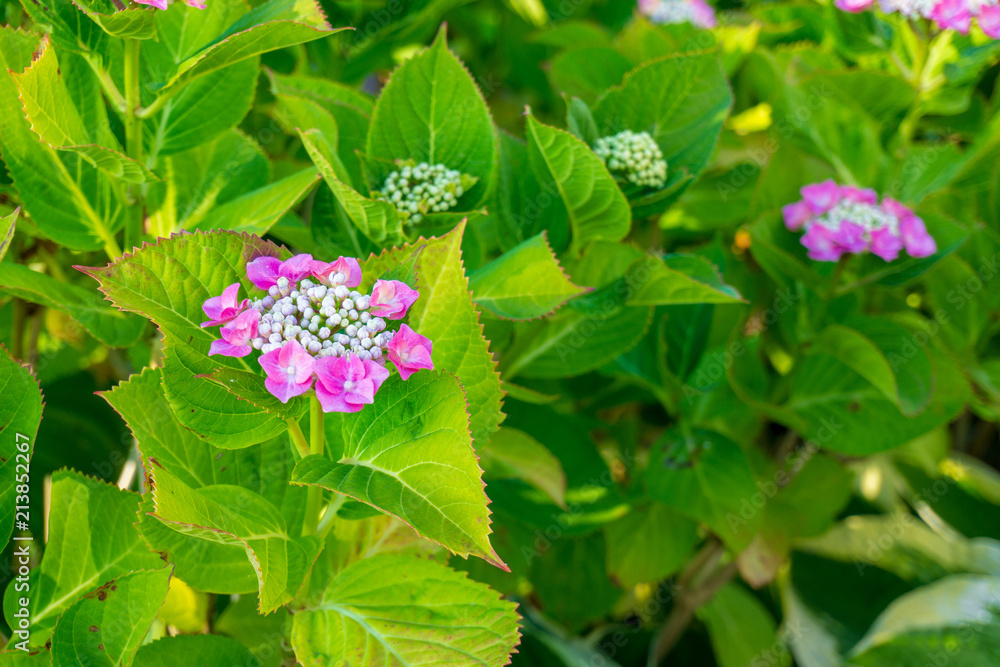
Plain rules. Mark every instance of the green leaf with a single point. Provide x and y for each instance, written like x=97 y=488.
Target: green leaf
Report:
x=580 y=122
x=681 y=100
x=648 y=544
x=524 y=283
x=261 y=634
x=54 y=116
x=103 y=321
x=588 y=195
x=410 y=455
x=432 y=111
x=7 y=231
x=133 y=23
x=677 y=279
x=742 y=629
x=885 y=354
x=20 y=413
x=276 y=24
x=518 y=201
x=957 y=614
x=588 y=71
x=169 y=282
x=515 y=454
x=62 y=201
x=376 y=219
x=400 y=610
x=194 y=649
x=706 y=476
x=92 y=540
x=233 y=515
x=575 y=341
x=106 y=626
x=256 y=212
x=446 y=314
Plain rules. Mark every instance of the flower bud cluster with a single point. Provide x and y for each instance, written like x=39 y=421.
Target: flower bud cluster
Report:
x=416 y=190
x=326 y=320
x=695 y=12
x=948 y=14
x=846 y=219
x=634 y=155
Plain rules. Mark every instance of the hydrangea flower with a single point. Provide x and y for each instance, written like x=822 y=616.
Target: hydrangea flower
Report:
x=392 y=298
x=841 y=219
x=347 y=384
x=409 y=352
x=695 y=12
x=634 y=155
x=309 y=316
x=948 y=14
x=162 y=4
x=416 y=190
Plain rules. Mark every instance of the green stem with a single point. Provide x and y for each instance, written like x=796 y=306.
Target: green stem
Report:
x=314 y=499
x=298 y=437
x=17 y=331
x=107 y=85
x=133 y=140
x=327 y=522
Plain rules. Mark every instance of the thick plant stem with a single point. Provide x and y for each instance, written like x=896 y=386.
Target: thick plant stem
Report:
x=298 y=437
x=133 y=141
x=314 y=499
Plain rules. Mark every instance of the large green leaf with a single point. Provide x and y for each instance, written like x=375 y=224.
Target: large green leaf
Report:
x=887 y=355
x=106 y=626
x=523 y=283
x=92 y=540
x=954 y=619
x=706 y=476
x=20 y=413
x=168 y=282
x=103 y=321
x=53 y=114
x=579 y=185
x=7 y=226
x=376 y=219
x=135 y=23
x=410 y=455
x=432 y=111
x=677 y=279
x=446 y=314
x=194 y=649
x=65 y=203
x=512 y=453
x=742 y=629
x=399 y=610
x=588 y=71
x=164 y=442
x=276 y=24
x=256 y=212
x=234 y=515
x=681 y=100
x=648 y=544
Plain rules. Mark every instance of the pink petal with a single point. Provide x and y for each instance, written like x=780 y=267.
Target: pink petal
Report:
x=286 y=389
x=850 y=237
x=242 y=329
x=989 y=21
x=796 y=215
x=859 y=195
x=221 y=309
x=917 y=241
x=853 y=6
x=296 y=268
x=227 y=349
x=410 y=352
x=703 y=15
x=886 y=244
x=195 y=4
x=159 y=4
x=952 y=14
x=821 y=196
x=263 y=272
x=392 y=298
x=376 y=373
x=821 y=245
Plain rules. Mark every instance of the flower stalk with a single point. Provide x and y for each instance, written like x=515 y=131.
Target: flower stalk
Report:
x=133 y=141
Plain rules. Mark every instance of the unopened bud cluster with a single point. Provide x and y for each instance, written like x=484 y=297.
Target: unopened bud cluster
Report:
x=327 y=321
x=416 y=190
x=634 y=155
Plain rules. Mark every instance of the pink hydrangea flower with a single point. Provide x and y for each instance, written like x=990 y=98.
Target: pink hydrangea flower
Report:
x=695 y=12
x=916 y=240
x=850 y=237
x=821 y=244
x=886 y=244
x=222 y=309
x=853 y=6
x=821 y=197
x=410 y=352
x=162 y=4
x=236 y=335
x=952 y=14
x=289 y=371
x=859 y=195
x=264 y=272
x=392 y=298
x=347 y=384
x=345 y=271
x=948 y=14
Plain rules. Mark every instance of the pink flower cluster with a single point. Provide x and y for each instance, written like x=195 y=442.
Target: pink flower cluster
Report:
x=695 y=12
x=948 y=14
x=841 y=219
x=317 y=333
x=162 y=4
